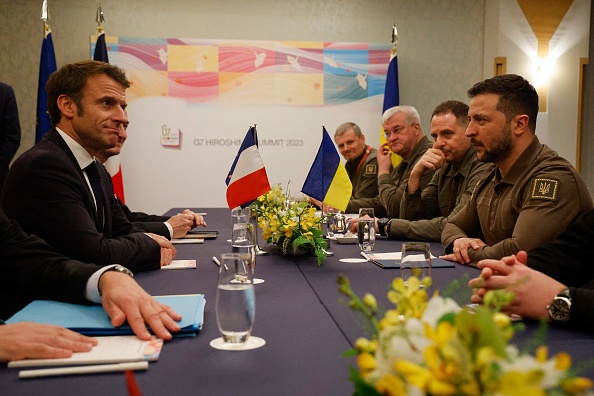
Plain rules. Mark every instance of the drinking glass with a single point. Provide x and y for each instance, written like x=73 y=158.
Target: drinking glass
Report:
x=366 y=229
x=415 y=260
x=236 y=300
x=240 y=215
x=243 y=241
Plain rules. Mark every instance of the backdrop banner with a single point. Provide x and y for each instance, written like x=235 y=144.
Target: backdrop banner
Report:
x=191 y=101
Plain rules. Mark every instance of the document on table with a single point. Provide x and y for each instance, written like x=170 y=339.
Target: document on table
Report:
x=115 y=349
x=92 y=319
x=392 y=260
x=180 y=264
x=187 y=240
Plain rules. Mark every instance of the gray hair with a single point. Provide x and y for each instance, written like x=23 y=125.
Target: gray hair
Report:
x=342 y=128
x=411 y=115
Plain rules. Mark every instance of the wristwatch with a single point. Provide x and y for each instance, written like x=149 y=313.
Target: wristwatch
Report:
x=381 y=225
x=560 y=306
x=119 y=268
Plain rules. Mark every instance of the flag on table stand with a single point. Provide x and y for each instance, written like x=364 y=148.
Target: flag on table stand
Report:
x=391 y=91
x=247 y=179
x=328 y=180
x=47 y=66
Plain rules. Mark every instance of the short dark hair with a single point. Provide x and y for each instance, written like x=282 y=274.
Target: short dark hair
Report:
x=70 y=80
x=516 y=96
x=457 y=108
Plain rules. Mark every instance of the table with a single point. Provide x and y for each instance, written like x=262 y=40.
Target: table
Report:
x=299 y=312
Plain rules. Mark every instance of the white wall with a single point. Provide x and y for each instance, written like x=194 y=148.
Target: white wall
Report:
x=438 y=59
x=516 y=41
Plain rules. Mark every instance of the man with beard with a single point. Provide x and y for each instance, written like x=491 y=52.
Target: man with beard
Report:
x=424 y=212
x=530 y=194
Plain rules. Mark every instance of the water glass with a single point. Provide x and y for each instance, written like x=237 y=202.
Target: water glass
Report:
x=415 y=260
x=243 y=241
x=240 y=215
x=236 y=299
x=366 y=229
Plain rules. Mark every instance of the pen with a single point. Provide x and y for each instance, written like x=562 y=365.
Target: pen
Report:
x=100 y=368
x=216 y=261
x=365 y=256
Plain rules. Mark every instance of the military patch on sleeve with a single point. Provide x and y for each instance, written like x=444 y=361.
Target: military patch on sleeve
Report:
x=371 y=169
x=545 y=189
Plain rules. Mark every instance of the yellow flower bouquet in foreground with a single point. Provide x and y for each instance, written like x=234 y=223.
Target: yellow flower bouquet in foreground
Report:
x=292 y=226
x=433 y=347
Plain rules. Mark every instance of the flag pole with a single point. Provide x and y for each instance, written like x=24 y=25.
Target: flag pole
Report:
x=259 y=250
x=99 y=18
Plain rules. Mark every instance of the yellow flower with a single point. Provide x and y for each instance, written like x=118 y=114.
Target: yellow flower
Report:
x=413 y=373
x=574 y=386
x=370 y=301
x=391 y=385
x=521 y=383
x=366 y=363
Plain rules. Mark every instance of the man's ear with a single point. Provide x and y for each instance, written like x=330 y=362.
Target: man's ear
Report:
x=520 y=124
x=67 y=106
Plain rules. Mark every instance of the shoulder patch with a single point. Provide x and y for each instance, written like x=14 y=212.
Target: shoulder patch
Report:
x=545 y=189
x=371 y=169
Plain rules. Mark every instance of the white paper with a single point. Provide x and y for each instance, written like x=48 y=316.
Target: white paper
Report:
x=113 y=349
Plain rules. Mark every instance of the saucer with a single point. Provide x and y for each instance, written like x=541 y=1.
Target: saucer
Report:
x=251 y=343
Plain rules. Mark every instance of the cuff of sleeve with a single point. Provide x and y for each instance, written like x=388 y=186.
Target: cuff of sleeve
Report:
x=170 y=228
x=92 y=290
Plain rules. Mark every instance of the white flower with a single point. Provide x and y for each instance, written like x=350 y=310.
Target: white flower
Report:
x=438 y=306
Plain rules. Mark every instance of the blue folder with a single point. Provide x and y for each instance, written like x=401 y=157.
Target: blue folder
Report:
x=92 y=319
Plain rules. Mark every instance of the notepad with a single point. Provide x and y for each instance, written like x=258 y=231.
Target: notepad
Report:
x=92 y=319
x=179 y=241
x=116 y=349
x=180 y=264
x=392 y=260
x=204 y=234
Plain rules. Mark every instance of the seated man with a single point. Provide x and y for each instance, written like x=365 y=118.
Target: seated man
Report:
x=31 y=270
x=170 y=227
x=553 y=282
x=361 y=160
x=530 y=194
x=424 y=213
x=55 y=189
x=403 y=137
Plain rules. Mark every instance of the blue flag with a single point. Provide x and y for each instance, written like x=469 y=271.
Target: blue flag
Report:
x=47 y=66
x=391 y=92
x=327 y=180
x=101 y=49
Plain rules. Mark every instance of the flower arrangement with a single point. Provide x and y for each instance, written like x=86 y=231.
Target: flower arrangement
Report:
x=289 y=225
x=433 y=347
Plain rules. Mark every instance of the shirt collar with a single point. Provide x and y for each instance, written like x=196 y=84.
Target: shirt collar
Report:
x=82 y=156
x=522 y=163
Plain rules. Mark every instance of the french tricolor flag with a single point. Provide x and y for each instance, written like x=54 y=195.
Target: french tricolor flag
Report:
x=247 y=179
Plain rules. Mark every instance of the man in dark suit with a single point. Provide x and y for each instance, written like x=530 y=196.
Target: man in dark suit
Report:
x=170 y=227
x=31 y=270
x=55 y=189
x=10 y=129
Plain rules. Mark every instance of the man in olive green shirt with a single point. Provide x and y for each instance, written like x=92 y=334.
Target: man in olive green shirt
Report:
x=361 y=160
x=529 y=195
x=403 y=137
x=424 y=213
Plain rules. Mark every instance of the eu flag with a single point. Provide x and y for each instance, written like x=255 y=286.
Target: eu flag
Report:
x=47 y=66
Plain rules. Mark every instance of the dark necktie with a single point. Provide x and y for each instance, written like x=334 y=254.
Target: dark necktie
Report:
x=95 y=181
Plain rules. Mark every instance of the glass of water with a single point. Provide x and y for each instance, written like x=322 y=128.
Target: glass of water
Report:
x=240 y=215
x=236 y=300
x=243 y=241
x=366 y=229
x=415 y=260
